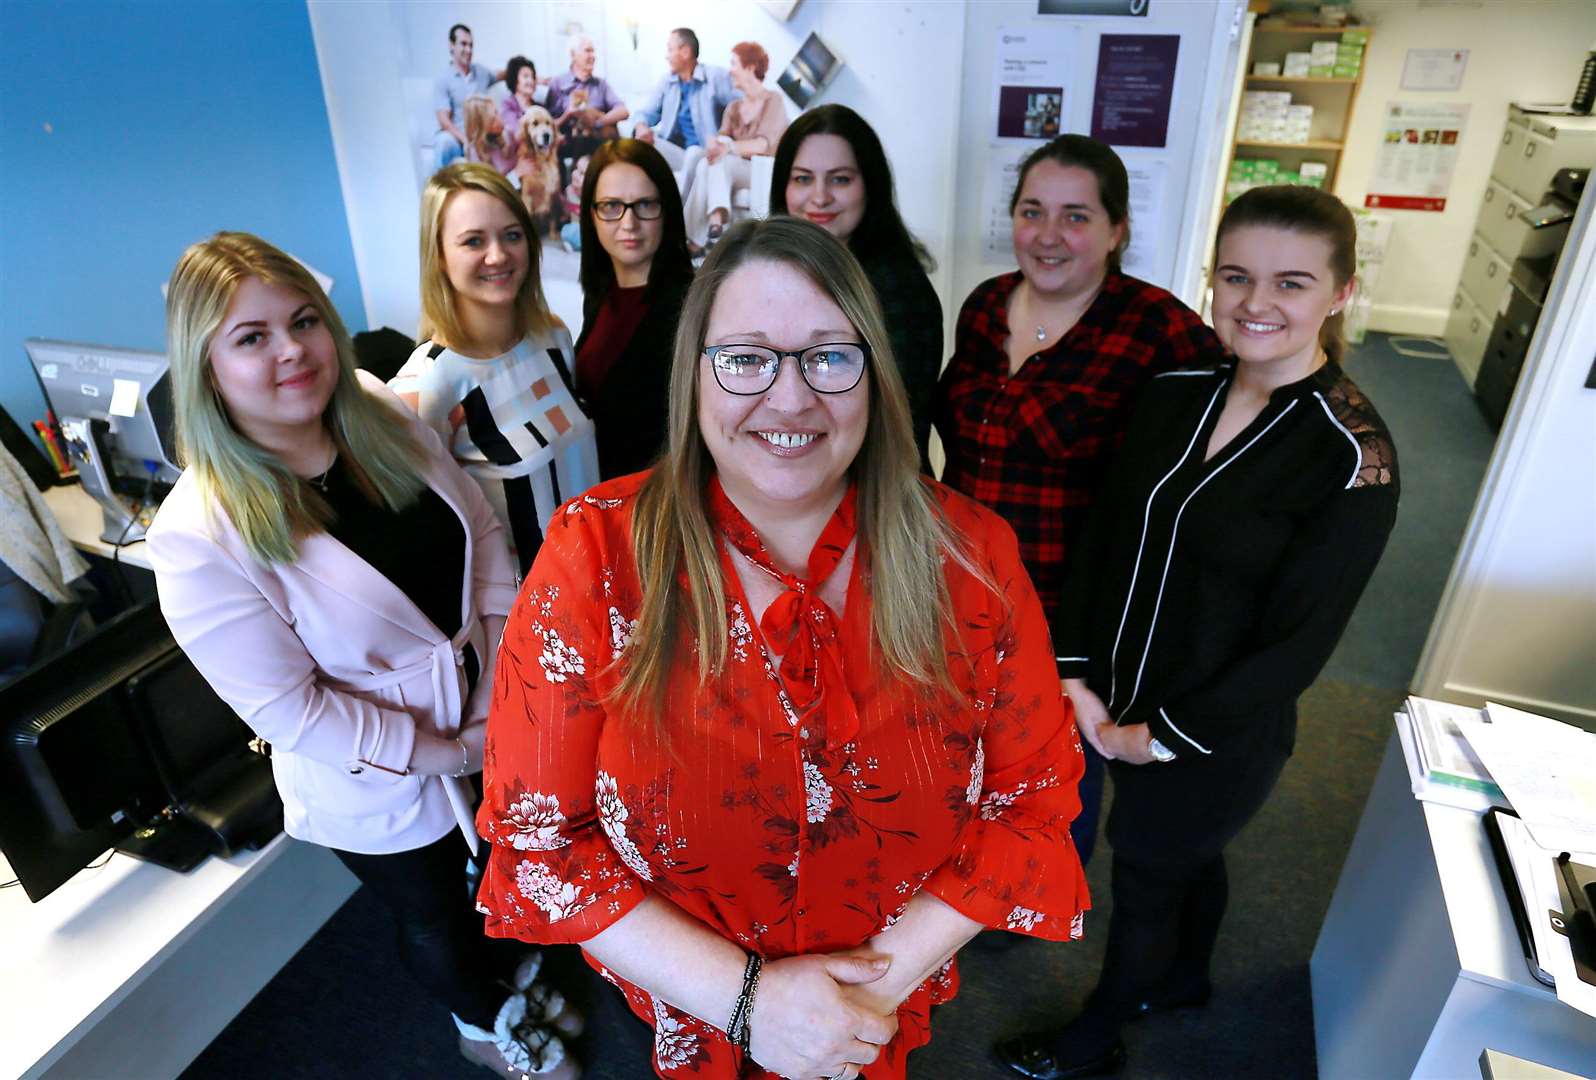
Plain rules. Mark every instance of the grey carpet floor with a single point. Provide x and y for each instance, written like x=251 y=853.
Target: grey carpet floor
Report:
x=343 y=1007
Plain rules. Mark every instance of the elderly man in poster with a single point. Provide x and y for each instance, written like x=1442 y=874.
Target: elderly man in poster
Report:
x=578 y=86
x=463 y=79
x=684 y=112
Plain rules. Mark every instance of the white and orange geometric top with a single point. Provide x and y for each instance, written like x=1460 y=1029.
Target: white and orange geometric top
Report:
x=513 y=423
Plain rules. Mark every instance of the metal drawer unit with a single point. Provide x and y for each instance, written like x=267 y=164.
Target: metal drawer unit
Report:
x=1468 y=331
x=1485 y=275
x=1532 y=148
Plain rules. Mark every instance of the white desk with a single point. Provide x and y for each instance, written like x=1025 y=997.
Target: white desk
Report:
x=1418 y=969
x=80 y=519
x=130 y=970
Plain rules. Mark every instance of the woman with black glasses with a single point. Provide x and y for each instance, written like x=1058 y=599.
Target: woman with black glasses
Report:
x=776 y=728
x=635 y=272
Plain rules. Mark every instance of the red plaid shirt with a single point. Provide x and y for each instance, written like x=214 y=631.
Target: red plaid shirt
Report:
x=1034 y=447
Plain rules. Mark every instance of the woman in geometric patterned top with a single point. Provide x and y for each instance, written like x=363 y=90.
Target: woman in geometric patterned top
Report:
x=1237 y=528
x=492 y=375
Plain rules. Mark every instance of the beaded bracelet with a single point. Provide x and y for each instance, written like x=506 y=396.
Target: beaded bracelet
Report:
x=738 y=1029
x=465 y=758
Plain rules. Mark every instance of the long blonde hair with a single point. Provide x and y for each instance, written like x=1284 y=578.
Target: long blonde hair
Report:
x=440 y=313
x=270 y=506
x=901 y=528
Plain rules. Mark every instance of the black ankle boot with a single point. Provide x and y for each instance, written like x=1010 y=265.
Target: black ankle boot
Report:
x=1076 y=1051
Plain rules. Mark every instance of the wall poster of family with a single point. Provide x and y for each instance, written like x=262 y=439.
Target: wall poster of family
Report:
x=534 y=90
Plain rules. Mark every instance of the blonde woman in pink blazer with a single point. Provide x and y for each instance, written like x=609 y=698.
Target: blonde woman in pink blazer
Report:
x=343 y=585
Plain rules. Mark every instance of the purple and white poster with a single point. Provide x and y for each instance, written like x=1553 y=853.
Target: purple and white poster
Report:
x=1135 y=84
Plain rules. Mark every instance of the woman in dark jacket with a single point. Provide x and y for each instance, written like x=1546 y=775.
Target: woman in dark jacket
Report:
x=830 y=168
x=635 y=273
x=1237 y=528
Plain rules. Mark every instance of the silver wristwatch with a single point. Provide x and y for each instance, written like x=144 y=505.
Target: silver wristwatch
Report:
x=1160 y=752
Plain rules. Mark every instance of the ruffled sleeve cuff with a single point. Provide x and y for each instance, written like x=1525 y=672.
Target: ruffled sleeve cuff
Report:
x=1040 y=892
x=567 y=895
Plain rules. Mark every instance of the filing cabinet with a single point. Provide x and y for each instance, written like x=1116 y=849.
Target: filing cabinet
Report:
x=1533 y=147
x=1468 y=329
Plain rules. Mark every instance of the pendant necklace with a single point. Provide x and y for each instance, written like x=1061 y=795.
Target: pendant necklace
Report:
x=320 y=482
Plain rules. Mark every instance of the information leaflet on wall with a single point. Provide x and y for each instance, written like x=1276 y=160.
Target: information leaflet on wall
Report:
x=1417 y=156
x=1135 y=83
x=1002 y=170
x=1434 y=69
x=1032 y=69
x=1148 y=177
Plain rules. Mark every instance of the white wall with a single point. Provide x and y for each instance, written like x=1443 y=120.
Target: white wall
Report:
x=1518 y=50
x=1517 y=623
x=902 y=60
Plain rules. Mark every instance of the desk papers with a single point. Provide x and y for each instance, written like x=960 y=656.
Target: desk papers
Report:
x=1546 y=768
x=1442 y=765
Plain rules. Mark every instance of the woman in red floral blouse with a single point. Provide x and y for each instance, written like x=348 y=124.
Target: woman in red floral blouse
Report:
x=780 y=701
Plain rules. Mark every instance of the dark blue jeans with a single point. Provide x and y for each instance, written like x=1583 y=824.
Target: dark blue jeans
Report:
x=1083 y=830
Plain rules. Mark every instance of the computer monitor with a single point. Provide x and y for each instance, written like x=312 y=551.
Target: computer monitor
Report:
x=114 y=409
x=118 y=742
x=74 y=778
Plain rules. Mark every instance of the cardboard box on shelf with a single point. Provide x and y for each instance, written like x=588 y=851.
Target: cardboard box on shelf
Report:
x=1321 y=71
x=1345 y=71
x=1355 y=36
x=1265 y=68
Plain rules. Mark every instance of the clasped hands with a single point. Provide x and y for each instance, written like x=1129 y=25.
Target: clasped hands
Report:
x=1128 y=743
x=815 y=1017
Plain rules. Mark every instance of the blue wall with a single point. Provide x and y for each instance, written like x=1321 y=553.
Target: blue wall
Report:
x=167 y=121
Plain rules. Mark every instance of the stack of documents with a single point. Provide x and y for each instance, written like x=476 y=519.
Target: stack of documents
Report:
x=1547 y=769
x=1442 y=764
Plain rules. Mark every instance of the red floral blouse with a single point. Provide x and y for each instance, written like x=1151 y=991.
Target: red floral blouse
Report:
x=787 y=832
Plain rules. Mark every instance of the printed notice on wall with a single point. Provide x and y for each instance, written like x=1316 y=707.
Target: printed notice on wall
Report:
x=1417 y=157
x=1147 y=182
x=1135 y=82
x=1033 y=68
x=1434 y=69
x=1002 y=171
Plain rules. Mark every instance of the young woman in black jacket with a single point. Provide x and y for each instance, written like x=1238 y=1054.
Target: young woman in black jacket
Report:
x=1237 y=528
x=635 y=274
x=830 y=169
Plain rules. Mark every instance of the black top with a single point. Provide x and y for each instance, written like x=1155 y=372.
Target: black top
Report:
x=913 y=316
x=1205 y=596
x=629 y=410
x=421 y=549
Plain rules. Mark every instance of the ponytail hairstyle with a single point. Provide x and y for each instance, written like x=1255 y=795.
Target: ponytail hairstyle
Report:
x=1314 y=213
x=1097 y=158
x=271 y=508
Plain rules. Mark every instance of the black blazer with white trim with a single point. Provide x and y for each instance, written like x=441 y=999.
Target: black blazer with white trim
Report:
x=1206 y=596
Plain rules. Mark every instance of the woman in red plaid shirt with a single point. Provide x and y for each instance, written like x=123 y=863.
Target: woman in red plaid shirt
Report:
x=1047 y=362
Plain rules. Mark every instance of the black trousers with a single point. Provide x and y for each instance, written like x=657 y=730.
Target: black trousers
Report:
x=1169 y=827
x=440 y=936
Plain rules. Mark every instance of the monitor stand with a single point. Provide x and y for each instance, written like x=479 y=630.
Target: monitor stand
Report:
x=175 y=843
x=86 y=443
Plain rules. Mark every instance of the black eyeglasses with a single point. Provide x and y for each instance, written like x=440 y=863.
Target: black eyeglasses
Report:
x=615 y=209
x=832 y=368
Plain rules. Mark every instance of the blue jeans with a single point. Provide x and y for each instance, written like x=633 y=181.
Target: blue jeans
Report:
x=447 y=148
x=1083 y=830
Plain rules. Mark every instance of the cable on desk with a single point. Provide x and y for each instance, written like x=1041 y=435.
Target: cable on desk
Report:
x=150 y=467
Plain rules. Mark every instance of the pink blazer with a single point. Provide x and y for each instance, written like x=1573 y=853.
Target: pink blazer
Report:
x=330 y=662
